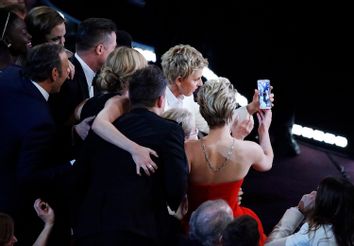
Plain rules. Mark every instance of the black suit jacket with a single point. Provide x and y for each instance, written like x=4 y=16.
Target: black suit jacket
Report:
x=116 y=201
x=71 y=94
x=30 y=164
x=63 y=105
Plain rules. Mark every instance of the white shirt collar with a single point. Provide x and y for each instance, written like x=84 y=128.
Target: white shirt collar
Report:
x=172 y=101
x=89 y=73
x=44 y=93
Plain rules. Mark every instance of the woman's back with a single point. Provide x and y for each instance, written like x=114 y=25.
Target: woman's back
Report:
x=214 y=161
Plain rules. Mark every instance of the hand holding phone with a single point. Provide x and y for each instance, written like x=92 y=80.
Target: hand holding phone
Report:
x=263 y=86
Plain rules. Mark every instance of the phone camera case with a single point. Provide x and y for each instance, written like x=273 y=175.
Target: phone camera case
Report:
x=263 y=86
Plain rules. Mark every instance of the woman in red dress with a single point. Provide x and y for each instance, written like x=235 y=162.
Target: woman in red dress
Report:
x=218 y=162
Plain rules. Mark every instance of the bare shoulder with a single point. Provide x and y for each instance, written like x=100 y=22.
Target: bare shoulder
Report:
x=249 y=149
x=118 y=99
x=191 y=143
x=191 y=146
x=251 y=145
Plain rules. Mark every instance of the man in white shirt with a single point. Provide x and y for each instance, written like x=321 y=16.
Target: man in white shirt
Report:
x=96 y=39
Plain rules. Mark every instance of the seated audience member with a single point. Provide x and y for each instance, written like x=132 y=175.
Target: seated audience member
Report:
x=14 y=39
x=218 y=163
x=208 y=222
x=186 y=119
x=7 y=230
x=329 y=216
x=135 y=210
x=7 y=226
x=242 y=231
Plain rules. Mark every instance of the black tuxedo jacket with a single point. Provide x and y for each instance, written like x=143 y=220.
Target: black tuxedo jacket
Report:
x=71 y=94
x=116 y=201
x=63 y=105
x=30 y=164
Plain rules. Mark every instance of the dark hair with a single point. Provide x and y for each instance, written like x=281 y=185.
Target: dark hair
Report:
x=6 y=228
x=334 y=205
x=92 y=31
x=41 y=60
x=146 y=86
x=40 y=21
x=243 y=231
x=124 y=39
x=13 y=38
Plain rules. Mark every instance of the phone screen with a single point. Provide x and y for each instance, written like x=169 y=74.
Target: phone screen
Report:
x=263 y=86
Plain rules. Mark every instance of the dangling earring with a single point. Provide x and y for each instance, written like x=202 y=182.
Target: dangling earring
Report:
x=8 y=44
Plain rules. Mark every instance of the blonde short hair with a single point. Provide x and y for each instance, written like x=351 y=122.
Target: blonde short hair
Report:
x=217 y=101
x=181 y=116
x=118 y=68
x=181 y=60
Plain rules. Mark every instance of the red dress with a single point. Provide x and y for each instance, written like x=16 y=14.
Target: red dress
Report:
x=197 y=194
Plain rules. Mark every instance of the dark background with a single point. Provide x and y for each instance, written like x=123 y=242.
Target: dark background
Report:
x=303 y=47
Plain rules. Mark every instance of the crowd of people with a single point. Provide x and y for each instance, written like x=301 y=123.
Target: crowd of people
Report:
x=123 y=153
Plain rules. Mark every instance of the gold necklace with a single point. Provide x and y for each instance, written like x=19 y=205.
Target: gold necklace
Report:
x=228 y=156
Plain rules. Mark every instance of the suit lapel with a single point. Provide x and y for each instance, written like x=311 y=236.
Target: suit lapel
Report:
x=81 y=78
x=32 y=90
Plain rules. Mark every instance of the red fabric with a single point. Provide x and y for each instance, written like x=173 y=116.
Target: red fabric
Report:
x=197 y=194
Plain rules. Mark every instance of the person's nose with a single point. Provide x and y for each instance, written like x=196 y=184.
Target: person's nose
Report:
x=14 y=239
x=62 y=41
x=200 y=82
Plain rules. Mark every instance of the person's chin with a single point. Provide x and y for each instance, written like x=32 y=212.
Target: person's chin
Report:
x=188 y=94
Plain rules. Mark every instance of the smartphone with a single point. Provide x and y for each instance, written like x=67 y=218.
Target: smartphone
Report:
x=263 y=86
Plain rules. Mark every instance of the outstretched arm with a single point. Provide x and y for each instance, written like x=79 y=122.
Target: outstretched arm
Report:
x=103 y=127
x=264 y=158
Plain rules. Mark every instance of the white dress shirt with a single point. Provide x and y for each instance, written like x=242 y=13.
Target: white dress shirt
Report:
x=89 y=74
x=186 y=102
x=44 y=93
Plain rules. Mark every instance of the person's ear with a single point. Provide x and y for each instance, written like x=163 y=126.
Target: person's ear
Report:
x=161 y=101
x=179 y=81
x=99 y=49
x=54 y=74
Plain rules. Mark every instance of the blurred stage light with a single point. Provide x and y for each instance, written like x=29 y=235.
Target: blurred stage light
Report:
x=146 y=50
x=320 y=136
